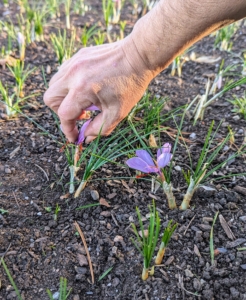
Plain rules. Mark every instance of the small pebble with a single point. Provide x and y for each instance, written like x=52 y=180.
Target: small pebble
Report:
x=80 y=270
x=192 y=136
x=241 y=131
x=188 y=273
x=197 y=284
x=39 y=213
x=236 y=118
x=178 y=168
x=95 y=195
x=115 y=282
x=56 y=295
x=242 y=218
x=7 y=171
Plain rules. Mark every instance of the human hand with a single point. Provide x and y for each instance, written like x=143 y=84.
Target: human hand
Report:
x=112 y=77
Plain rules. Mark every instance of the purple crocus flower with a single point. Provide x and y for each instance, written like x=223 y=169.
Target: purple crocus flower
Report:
x=81 y=136
x=144 y=162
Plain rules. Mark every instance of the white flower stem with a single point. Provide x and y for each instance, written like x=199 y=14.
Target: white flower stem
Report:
x=167 y=187
x=80 y=188
x=73 y=171
x=189 y=194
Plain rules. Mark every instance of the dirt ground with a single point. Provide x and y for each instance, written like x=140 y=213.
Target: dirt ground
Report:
x=33 y=176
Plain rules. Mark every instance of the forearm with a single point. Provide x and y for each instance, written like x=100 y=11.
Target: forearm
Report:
x=174 y=25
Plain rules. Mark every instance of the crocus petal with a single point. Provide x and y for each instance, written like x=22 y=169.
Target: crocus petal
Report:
x=140 y=165
x=92 y=108
x=219 y=82
x=166 y=148
x=20 y=38
x=164 y=159
x=144 y=155
x=81 y=136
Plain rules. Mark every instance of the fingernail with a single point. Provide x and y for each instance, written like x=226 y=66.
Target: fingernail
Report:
x=89 y=139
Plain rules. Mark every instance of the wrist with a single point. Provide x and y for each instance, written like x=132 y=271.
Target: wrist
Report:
x=172 y=26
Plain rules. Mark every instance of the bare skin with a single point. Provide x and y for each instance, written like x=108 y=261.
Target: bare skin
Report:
x=115 y=76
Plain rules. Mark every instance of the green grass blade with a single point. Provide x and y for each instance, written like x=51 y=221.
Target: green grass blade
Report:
x=105 y=273
x=11 y=279
x=88 y=206
x=204 y=152
x=50 y=294
x=211 y=240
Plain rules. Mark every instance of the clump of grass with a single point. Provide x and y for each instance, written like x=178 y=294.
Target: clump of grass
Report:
x=203 y=167
x=223 y=37
x=100 y=152
x=80 y=7
x=146 y=243
x=202 y=102
x=57 y=210
x=20 y=74
x=10 y=29
x=99 y=38
x=12 y=102
x=63 y=293
x=239 y=105
x=63 y=45
x=177 y=65
x=218 y=81
x=3 y=211
x=88 y=33
x=168 y=232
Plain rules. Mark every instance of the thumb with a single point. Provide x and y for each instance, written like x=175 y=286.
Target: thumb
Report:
x=68 y=112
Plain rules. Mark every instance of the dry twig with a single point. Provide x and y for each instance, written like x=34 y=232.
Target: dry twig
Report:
x=86 y=250
x=189 y=224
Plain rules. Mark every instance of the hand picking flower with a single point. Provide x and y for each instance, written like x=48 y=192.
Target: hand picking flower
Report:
x=81 y=136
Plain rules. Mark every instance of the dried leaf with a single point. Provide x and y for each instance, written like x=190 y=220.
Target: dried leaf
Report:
x=105 y=214
x=126 y=186
x=152 y=141
x=196 y=251
x=82 y=260
x=8 y=60
x=208 y=188
x=235 y=243
x=207 y=59
x=169 y=261
x=240 y=189
x=12 y=154
x=102 y=201
x=65 y=196
x=226 y=228
x=146 y=233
